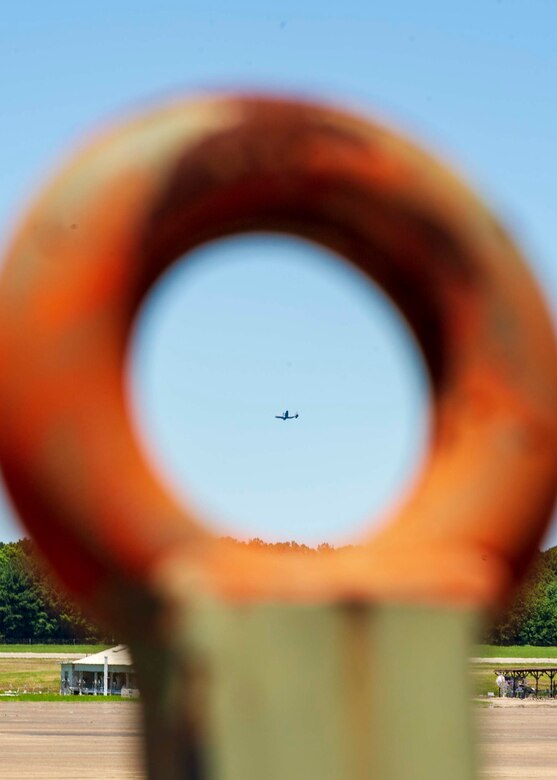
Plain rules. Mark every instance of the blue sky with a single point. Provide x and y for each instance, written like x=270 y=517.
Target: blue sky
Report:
x=250 y=327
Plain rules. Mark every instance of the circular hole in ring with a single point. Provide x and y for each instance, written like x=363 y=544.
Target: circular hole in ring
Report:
x=245 y=328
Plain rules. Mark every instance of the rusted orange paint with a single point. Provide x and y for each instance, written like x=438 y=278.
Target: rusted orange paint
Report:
x=125 y=208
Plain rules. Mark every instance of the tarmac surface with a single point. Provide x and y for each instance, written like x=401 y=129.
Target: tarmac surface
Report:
x=511 y=662
x=518 y=740
x=53 y=656
x=63 y=741
x=102 y=740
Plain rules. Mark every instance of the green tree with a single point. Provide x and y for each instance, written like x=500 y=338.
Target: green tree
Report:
x=531 y=618
x=22 y=611
x=31 y=607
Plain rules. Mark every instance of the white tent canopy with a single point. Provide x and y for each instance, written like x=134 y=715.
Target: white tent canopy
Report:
x=107 y=672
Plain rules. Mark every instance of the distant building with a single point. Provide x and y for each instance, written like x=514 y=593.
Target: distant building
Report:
x=108 y=672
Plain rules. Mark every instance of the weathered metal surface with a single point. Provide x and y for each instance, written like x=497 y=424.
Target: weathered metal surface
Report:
x=76 y=272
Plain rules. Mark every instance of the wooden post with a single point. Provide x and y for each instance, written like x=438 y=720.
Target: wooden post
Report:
x=314 y=693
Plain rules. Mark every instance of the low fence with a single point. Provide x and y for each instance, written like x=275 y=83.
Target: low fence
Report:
x=56 y=641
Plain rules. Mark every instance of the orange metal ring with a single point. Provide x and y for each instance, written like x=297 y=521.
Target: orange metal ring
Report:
x=151 y=190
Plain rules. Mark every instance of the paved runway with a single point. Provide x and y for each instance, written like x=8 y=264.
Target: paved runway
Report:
x=63 y=741
x=102 y=741
x=519 y=740
x=53 y=656
x=511 y=662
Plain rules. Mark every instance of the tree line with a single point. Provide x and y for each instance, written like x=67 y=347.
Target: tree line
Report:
x=33 y=608
x=531 y=617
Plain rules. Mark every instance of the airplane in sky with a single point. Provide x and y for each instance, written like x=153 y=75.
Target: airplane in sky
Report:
x=285 y=416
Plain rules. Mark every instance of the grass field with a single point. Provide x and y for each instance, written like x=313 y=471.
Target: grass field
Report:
x=513 y=651
x=42 y=675
x=483 y=675
x=478 y=651
x=85 y=649
x=57 y=697
x=33 y=678
x=36 y=675
x=482 y=681
x=32 y=675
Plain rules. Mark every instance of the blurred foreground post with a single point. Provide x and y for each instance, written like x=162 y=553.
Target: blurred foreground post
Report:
x=345 y=691
x=254 y=664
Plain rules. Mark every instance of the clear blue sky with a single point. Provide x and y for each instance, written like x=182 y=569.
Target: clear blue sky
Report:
x=253 y=326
